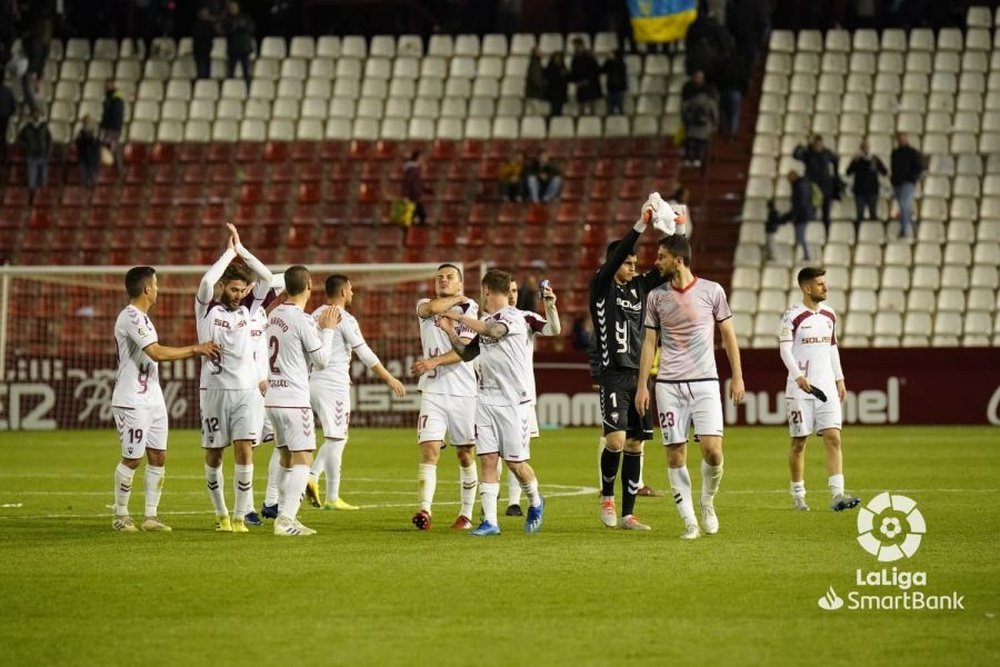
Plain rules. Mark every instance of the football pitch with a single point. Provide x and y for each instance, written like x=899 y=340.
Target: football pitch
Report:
x=370 y=589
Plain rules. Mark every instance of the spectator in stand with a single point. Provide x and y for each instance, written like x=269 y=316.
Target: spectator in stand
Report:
x=511 y=177
x=202 y=35
x=414 y=188
x=534 y=83
x=88 y=152
x=582 y=333
x=771 y=225
x=7 y=108
x=37 y=142
x=907 y=166
x=801 y=213
x=707 y=44
x=823 y=171
x=865 y=168
x=697 y=84
x=555 y=84
x=112 y=119
x=586 y=74
x=240 y=30
x=700 y=115
x=9 y=12
x=616 y=72
x=732 y=79
x=544 y=179
x=527 y=293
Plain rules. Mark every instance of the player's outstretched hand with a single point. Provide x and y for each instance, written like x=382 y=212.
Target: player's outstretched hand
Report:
x=642 y=400
x=234 y=236
x=330 y=318
x=210 y=350
x=398 y=388
x=737 y=391
x=421 y=366
x=549 y=295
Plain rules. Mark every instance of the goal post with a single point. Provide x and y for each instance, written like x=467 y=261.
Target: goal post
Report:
x=57 y=350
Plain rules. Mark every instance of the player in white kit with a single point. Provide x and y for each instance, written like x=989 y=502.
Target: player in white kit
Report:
x=137 y=401
x=230 y=393
x=330 y=388
x=537 y=326
x=448 y=398
x=294 y=343
x=683 y=314
x=815 y=388
x=504 y=404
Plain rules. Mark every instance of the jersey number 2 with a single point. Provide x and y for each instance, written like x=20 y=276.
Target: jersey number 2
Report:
x=272 y=345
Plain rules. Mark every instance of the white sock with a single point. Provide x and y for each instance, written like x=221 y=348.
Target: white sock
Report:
x=513 y=489
x=642 y=466
x=469 y=479
x=318 y=465
x=214 y=480
x=531 y=490
x=295 y=485
x=332 y=454
x=488 y=494
x=123 y=488
x=427 y=477
x=274 y=477
x=836 y=484
x=153 y=483
x=680 y=484
x=600 y=452
x=798 y=489
x=711 y=477
x=283 y=474
x=243 y=484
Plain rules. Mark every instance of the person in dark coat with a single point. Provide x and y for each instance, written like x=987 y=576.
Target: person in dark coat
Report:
x=7 y=108
x=822 y=170
x=616 y=72
x=37 y=142
x=802 y=210
x=534 y=82
x=555 y=84
x=732 y=80
x=414 y=188
x=907 y=166
x=239 y=41
x=112 y=119
x=202 y=35
x=88 y=152
x=865 y=168
x=586 y=74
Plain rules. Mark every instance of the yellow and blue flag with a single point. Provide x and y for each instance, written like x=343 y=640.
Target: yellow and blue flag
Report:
x=661 y=20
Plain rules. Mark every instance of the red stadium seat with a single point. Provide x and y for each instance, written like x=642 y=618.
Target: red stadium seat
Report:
x=220 y=151
x=134 y=153
x=309 y=193
x=472 y=149
x=165 y=173
x=304 y=151
x=442 y=149
x=359 y=149
x=386 y=149
x=192 y=152
x=247 y=152
x=195 y=173
x=162 y=153
x=331 y=150
x=276 y=151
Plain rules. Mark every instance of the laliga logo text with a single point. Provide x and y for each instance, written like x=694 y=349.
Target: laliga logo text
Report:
x=890 y=527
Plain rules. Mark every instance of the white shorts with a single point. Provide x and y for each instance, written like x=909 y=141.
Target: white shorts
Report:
x=533 y=421
x=811 y=415
x=141 y=428
x=294 y=428
x=333 y=405
x=504 y=430
x=680 y=405
x=263 y=426
x=227 y=416
x=454 y=415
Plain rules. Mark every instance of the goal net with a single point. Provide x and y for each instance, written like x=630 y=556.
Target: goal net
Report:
x=57 y=350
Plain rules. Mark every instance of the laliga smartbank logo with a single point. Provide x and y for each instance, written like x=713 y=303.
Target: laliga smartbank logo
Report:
x=891 y=528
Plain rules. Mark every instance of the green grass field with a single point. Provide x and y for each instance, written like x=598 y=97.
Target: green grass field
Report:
x=369 y=589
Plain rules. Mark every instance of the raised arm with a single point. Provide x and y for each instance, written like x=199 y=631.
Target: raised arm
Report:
x=489 y=328
x=206 y=289
x=360 y=347
x=553 y=327
x=439 y=305
x=730 y=344
x=158 y=352
x=264 y=275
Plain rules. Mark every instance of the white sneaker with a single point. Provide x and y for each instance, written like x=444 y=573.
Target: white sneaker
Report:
x=124 y=524
x=799 y=504
x=306 y=530
x=153 y=525
x=709 y=519
x=609 y=514
x=691 y=532
x=285 y=527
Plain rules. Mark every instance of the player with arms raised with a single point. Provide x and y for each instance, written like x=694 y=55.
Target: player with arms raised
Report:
x=294 y=343
x=231 y=399
x=808 y=346
x=504 y=405
x=137 y=401
x=448 y=397
x=330 y=388
x=683 y=315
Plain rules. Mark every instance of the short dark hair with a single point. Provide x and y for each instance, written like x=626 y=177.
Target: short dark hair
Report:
x=611 y=249
x=448 y=265
x=237 y=271
x=678 y=246
x=296 y=279
x=137 y=278
x=496 y=281
x=809 y=274
x=335 y=283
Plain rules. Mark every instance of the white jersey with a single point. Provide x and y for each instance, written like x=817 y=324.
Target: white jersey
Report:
x=455 y=379
x=813 y=336
x=686 y=320
x=503 y=365
x=137 y=381
x=347 y=341
x=258 y=324
x=294 y=342
x=534 y=323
